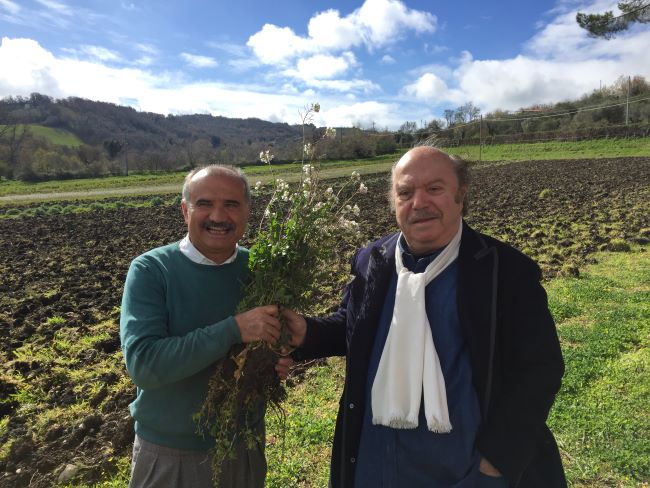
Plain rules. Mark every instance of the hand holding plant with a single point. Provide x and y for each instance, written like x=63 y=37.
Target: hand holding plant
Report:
x=292 y=256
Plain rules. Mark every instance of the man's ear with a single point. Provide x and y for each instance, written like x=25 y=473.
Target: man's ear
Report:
x=460 y=194
x=185 y=211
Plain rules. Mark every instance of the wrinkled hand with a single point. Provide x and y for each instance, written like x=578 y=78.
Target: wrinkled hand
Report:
x=296 y=325
x=283 y=366
x=487 y=468
x=259 y=324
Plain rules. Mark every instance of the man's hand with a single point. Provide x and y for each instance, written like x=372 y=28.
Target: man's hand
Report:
x=259 y=324
x=487 y=468
x=296 y=325
x=283 y=366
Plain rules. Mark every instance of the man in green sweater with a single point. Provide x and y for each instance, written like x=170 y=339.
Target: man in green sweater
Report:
x=177 y=319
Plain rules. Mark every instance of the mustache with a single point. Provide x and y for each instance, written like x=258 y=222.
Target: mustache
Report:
x=418 y=215
x=213 y=225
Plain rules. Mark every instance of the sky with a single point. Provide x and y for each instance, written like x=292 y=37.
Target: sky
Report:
x=372 y=63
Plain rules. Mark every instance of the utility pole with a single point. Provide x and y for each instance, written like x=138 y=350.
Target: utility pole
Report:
x=480 y=139
x=126 y=157
x=627 y=102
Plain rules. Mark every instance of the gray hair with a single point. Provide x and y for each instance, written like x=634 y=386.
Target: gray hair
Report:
x=217 y=170
x=458 y=164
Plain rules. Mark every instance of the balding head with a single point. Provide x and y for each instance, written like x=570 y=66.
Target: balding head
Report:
x=460 y=167
x=427 y=196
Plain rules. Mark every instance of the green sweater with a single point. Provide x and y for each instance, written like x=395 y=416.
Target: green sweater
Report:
x=176 y=321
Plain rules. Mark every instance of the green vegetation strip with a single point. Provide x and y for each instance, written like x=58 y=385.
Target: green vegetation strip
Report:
x=590 y=149
x=151 y=183
x=13 y=192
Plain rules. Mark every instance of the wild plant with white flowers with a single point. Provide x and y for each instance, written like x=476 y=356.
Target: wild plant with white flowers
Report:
x=293 y=253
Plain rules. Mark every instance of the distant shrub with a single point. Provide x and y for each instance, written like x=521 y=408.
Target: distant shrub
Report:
x=40 y=211
x=68 y=209
x=96 y=206
x=13 y=211
x=120 y=204
x=177 y=200
x=156 y=201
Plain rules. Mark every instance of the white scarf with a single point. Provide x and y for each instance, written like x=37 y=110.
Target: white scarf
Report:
x=409 y=363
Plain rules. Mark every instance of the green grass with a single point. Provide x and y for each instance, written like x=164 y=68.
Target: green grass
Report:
x=601 y=417
x=596 y=148
x=152 y=183
x=57 y=137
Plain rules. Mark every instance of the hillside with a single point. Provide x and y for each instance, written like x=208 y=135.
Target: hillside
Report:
x=100 y=123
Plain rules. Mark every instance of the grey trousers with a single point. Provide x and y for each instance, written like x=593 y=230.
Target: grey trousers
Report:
x=155 y=466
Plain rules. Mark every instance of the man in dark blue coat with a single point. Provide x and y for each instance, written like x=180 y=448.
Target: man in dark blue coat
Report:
x=453 y=360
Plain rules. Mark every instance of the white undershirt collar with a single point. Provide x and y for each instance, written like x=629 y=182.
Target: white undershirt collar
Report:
x=189 y=250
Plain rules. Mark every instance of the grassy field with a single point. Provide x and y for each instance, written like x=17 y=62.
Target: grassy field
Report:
x=171 y=182
x=596 y=148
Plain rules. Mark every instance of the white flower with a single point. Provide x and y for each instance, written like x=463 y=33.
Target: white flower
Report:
x=330 y=133
x=267 y=213
x=356 y=210
x=266 y=156
x=307 y=168
x=329 y=191
x=258 y=185
x=306 y=182
x=363 y=188
x=307 y=149
x=318 y=206
x=356 y=176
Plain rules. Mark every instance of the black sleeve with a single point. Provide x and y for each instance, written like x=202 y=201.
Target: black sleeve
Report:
x=530 y=373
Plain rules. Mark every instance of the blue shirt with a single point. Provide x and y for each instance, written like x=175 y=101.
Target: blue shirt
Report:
x=417 y=457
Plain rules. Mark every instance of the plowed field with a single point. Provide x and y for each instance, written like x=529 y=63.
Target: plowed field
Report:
x=64 y=393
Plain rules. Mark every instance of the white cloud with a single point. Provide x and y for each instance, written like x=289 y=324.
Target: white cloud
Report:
x=387 y=59
x=383 y=21
x=197 y=61
x=273 y=44
x=58 y=7
x=12 y=7
x=375 y=24
x=322 y=66
x=362 y=114
x=31 y=68
x=430 y=87
x=560 y=62
x=95 y=53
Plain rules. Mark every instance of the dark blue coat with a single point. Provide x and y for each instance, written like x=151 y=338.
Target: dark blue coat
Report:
x=515 y=355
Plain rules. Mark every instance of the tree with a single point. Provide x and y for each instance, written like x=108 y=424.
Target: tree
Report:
x=606 y=25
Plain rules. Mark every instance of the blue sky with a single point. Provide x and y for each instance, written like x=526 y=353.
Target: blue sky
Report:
x=372 y=62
